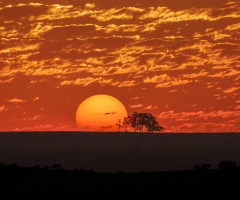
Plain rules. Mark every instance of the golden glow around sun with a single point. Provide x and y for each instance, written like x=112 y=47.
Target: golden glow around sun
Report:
x=100 y=113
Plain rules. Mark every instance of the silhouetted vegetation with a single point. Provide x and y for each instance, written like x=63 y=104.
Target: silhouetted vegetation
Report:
x=56 y=170
x=227 y=165
x=140 y=120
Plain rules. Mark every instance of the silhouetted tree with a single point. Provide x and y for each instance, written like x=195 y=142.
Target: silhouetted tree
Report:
x=119 y=125
x=140 y=120
x=126 y=122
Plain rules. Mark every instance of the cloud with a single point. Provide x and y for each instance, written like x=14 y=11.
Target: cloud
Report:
x=202 y=73
x=62 y=12
x=216 y=35
x=237 y=108
x=86 y=81
x=187 y=116
x=230 y=90
x=3 y=108
x=158 y=79
x=90 y=5
x=126 y=13
x=48 y=127
x=16 y=100
x=124 y=83
x=80 y=81
x=103 y=128
x=22 y=11
x=166 y=81
x=127 y=28
x=150 y=107
x=206 y=127
x=22 y=48
x=227 y=10
x=226 y=73
x=110 y=113
x=34 y=118
x=159 y=68
x=233 y=27
x=36 y=98
x=136 y=106
x=68 y=31
x=166 y=15
x=134 y=98
x=9 y=80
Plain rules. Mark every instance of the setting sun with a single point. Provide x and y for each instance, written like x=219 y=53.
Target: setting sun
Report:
x=100 y=113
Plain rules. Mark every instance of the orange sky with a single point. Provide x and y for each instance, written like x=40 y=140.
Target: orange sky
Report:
x=179 y=60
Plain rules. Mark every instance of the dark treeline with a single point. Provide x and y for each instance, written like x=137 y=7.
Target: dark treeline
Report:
x=57 y=171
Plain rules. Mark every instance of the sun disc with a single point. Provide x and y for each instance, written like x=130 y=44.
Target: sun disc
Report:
x=100 y=113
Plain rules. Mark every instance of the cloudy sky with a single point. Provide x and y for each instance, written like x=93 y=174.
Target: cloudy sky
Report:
x=178 y=59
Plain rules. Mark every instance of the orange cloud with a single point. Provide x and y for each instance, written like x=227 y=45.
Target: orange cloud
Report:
x=20 y=48
x=7 y=80
x=134 y=98
x=90 y=5
x=34 y=118
x=136 y=106
x=158 y=78
x=166 y=81
x=48 y=127
x=230 y=90
x=126 y=13
x=16 y=100
x=226 y=73
x=237 y=108
x=23 y=11
x=186 y=116
x=36 y=99
x=124 y=83
x=202 y=73
x=233 y=27
x=213 y=34
x=206 y=127
x=173 y=83
x=3 y=108
x=86 y=81
x=150 y=107
x=166 y=15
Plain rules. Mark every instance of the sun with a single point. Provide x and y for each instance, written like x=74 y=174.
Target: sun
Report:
x=100 y=113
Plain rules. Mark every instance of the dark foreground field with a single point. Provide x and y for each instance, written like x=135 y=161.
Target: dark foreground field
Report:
x=70 y=165
x=56 y=183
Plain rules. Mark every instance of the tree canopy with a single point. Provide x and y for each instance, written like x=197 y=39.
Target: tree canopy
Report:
x=140 y=120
